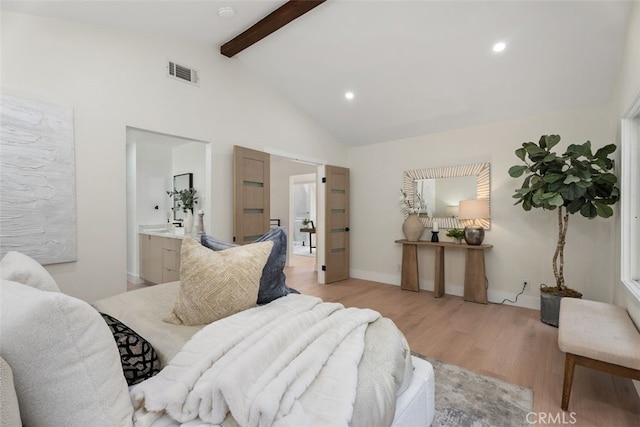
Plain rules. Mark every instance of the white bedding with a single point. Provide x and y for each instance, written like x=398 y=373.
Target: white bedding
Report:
x=292 y=362
x=383 y=373
x=143 y=310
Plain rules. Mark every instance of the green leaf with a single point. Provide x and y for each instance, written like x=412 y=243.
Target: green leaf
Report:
x=588 y=211
x=605 y=151
x=609 y=178
x=536 y=181
x=603 y=210
x=604 y=164
x=534 y=150
x=555 y=187
x=552 y=177
x=546 y=196
x=542 y=141
x=575 y=205
x=517 y=171
x=572 y=192
x=536 y=198
x=521 y=153
x=557 y=200
x=570 y=178
x=523 y=191
x=580 y=150
x=551 y=141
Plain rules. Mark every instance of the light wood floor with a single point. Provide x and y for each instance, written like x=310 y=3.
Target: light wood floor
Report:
x=505 y=342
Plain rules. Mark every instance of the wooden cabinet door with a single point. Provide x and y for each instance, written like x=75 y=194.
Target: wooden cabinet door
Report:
x=336 y=233
x=171 y=260
x=251 y=194
x=151 y=258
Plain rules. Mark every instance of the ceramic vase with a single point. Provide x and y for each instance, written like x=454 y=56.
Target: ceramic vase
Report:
x=188 y=221
x=200 y=223
x=412 y=228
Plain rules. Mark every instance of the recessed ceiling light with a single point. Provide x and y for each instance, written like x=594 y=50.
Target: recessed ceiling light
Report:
x=226 y=12
x=349 y=95
x=499 y=47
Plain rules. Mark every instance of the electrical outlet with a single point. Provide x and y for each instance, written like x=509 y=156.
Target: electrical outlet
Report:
x=525 y=284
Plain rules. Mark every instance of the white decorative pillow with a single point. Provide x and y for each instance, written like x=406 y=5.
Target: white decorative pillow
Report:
x=214 y=284
x=8 y=398
x=21 y=268
x=66 y=365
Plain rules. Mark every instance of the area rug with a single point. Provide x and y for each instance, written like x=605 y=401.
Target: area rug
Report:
x=467 y=399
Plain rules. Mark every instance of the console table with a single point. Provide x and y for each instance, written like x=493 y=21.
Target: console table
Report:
x=475 y=289
x=311 y=232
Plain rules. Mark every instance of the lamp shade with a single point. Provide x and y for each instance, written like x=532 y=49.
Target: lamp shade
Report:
x=473 y=209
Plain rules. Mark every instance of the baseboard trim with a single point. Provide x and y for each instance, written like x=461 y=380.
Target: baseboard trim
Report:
x=134 y=278
x=497 y=297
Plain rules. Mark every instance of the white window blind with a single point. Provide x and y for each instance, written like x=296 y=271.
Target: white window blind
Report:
x=630 y=200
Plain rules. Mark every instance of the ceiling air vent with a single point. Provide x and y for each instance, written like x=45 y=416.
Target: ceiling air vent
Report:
x=182 y=73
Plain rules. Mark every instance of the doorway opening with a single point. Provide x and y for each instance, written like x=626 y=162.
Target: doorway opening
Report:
x=153 y=160
x=305 y=218
x=294 y=199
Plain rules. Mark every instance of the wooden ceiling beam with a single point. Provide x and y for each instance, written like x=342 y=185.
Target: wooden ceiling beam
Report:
x=274 y=21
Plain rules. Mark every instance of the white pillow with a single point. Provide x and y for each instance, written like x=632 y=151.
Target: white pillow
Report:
x=8 y=398
x=21 y=268
x=214 y=284
x=65 y=362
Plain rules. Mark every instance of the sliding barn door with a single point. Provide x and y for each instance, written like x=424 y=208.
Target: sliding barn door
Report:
x=250 y=194
x=336 y=233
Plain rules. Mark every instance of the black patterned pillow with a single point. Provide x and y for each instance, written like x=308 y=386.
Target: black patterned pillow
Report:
x=139 y=359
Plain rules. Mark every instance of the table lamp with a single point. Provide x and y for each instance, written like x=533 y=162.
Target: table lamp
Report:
x=473 y=210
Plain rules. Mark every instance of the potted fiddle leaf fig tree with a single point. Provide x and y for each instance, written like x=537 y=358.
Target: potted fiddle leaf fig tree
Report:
x=576 y=181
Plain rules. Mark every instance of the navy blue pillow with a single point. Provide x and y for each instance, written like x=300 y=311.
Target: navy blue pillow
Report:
x=272 y=282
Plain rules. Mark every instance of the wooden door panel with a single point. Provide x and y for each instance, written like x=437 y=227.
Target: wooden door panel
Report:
x=251 y=188
x=338 y=219
x=253 y=197
x=336 y=234
x=253 y=168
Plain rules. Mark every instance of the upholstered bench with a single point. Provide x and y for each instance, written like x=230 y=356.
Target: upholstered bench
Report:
x=598 y=336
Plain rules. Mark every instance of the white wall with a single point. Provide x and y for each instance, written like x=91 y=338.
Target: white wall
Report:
x=523 y=241
x=154 y=178
x=114 y=79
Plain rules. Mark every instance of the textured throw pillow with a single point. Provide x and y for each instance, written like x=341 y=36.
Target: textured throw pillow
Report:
x=214 y=285
x=8 y=399
x=21 y=268
x=138 y=357
x=272 y=281
x=65 y=366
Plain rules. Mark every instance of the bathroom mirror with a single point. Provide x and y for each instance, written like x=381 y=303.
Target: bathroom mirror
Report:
x=442 y=189
x=183 y=181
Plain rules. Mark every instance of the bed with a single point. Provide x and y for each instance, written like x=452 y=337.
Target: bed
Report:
x=203 y=351
x=393 y=387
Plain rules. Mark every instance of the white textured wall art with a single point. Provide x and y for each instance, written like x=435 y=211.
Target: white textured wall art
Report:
x=37 y=180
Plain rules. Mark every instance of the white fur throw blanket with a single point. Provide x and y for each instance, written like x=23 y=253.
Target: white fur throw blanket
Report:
x=292 y=362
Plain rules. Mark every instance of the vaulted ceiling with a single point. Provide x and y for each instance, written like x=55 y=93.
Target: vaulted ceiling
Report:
x=414 y=67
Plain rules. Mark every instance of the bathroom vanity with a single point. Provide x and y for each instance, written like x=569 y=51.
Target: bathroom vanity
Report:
x=160 y=255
